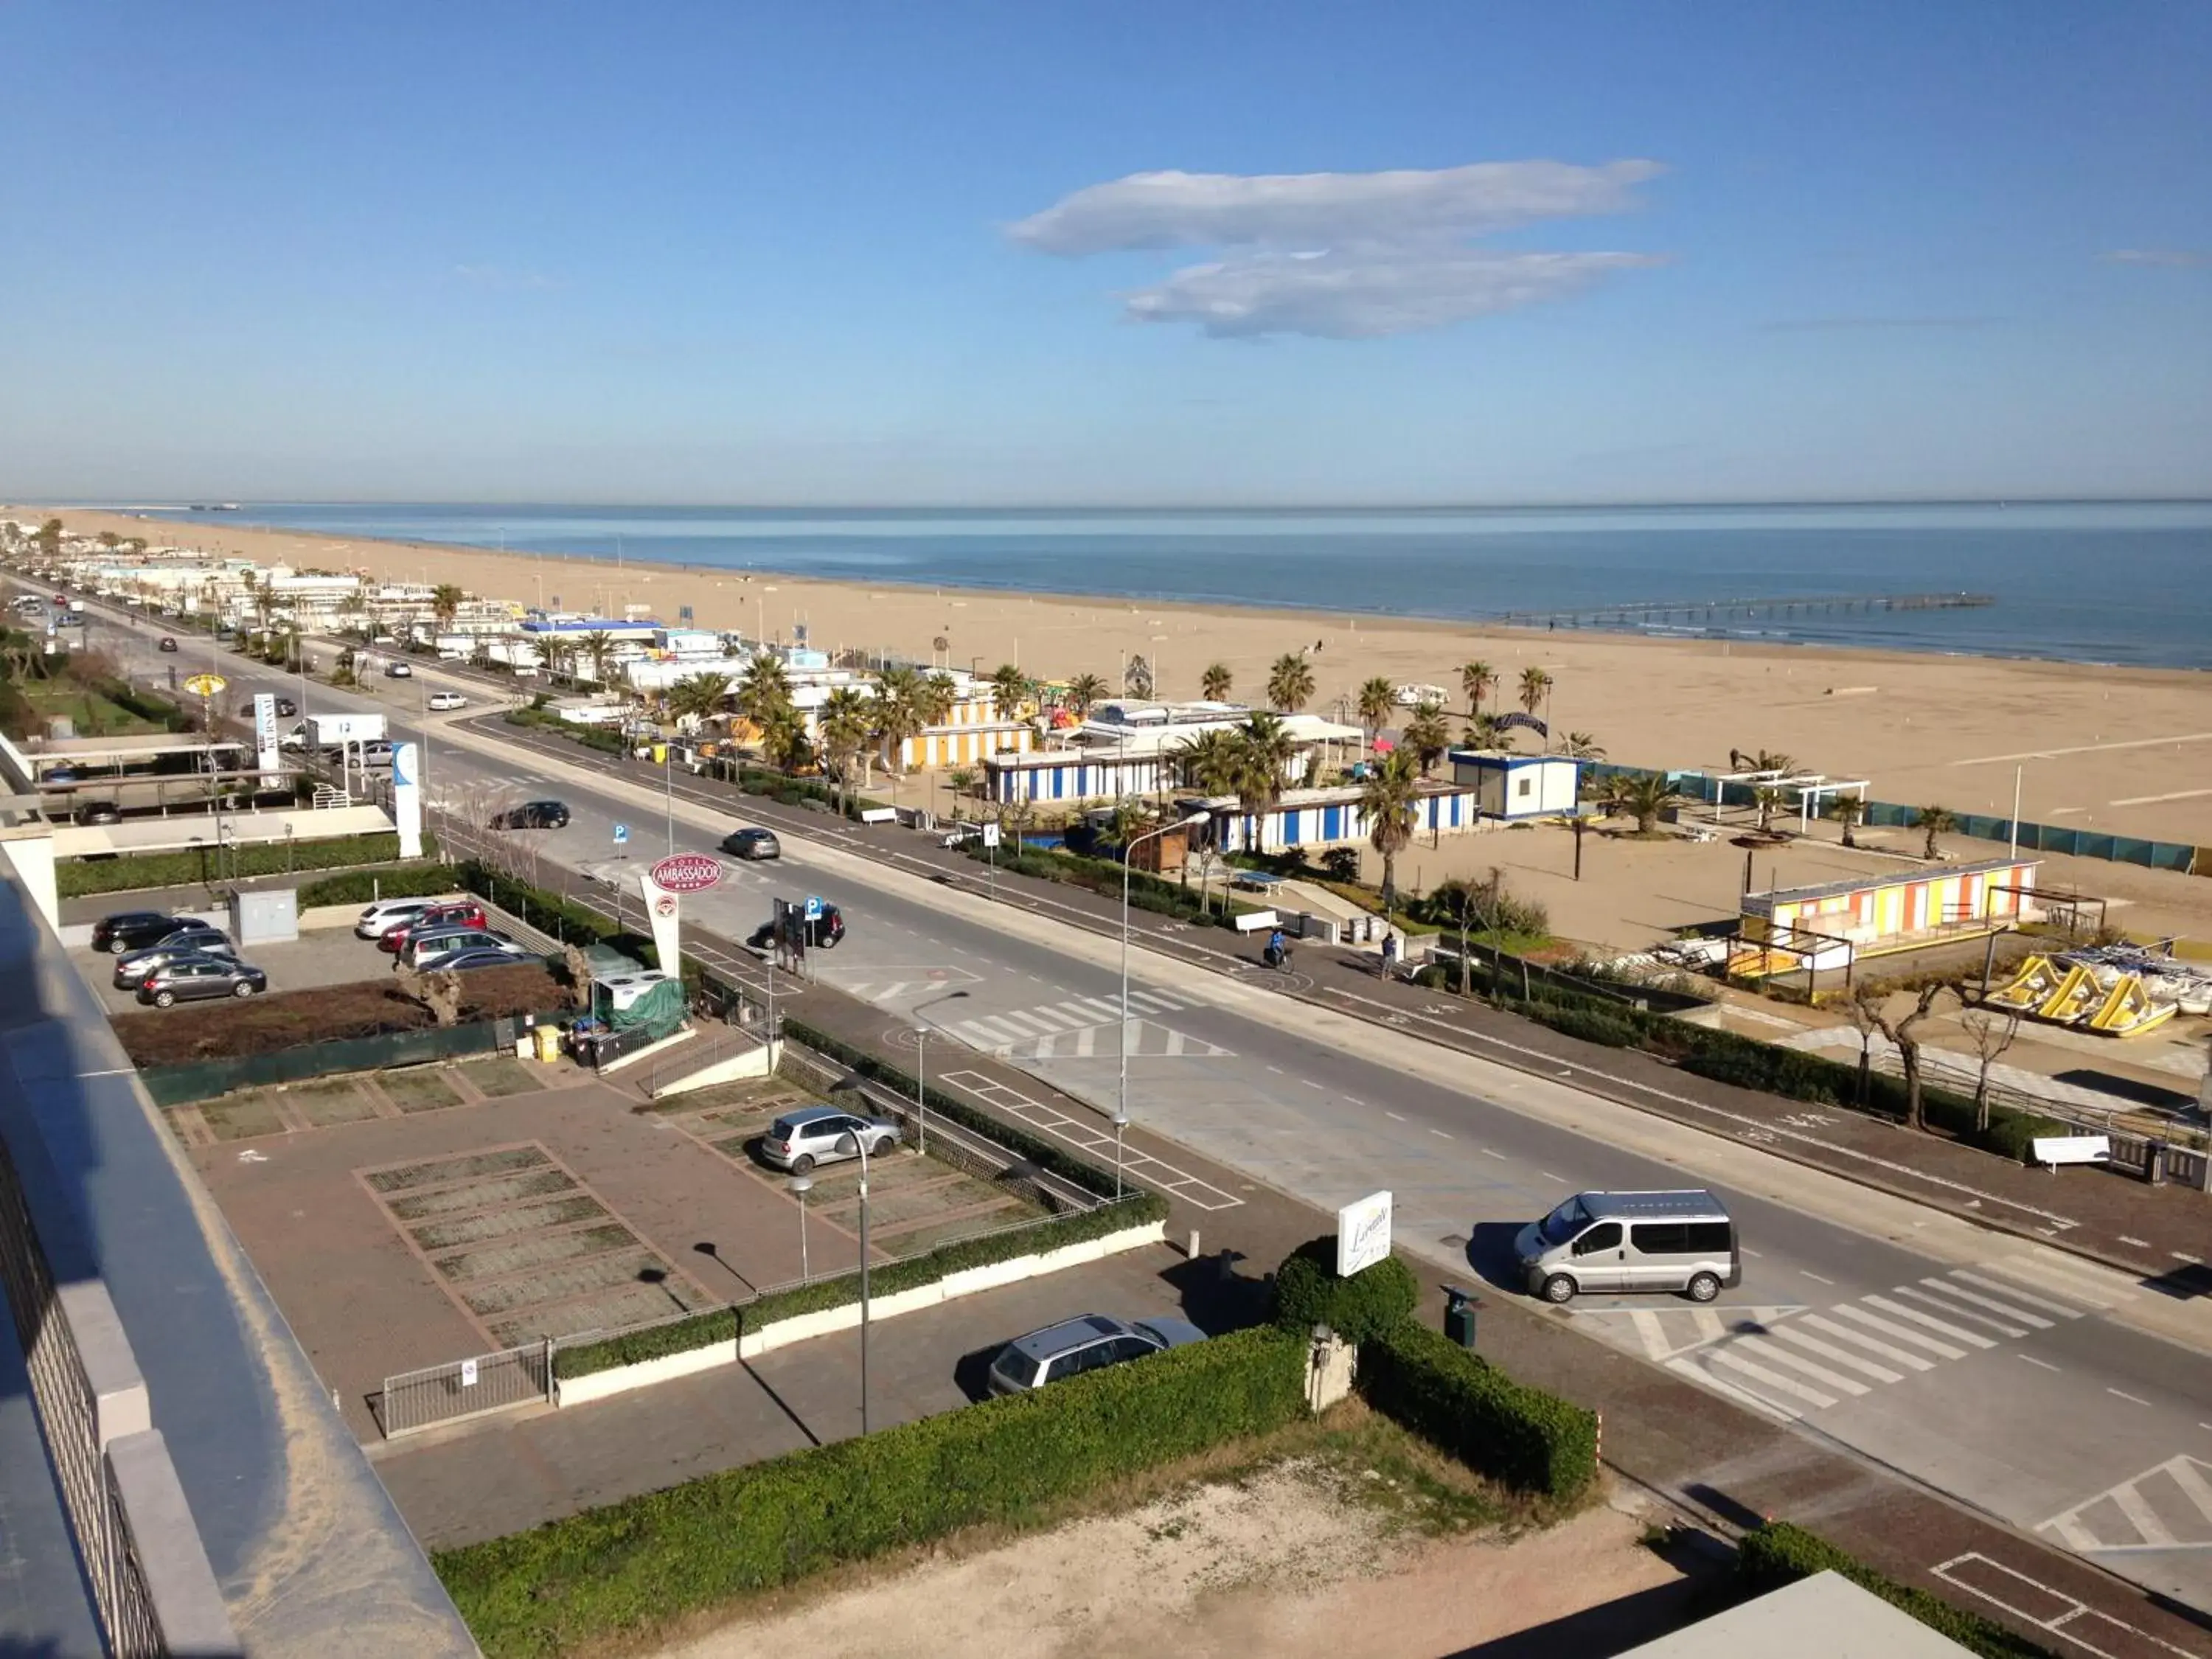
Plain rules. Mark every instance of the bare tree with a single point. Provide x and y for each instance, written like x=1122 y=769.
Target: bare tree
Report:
x=1991 y=1034
x=440 y=993
x=1863 y=1010
x=1904 y=1032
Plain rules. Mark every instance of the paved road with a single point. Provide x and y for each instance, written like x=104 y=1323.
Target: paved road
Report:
x=2009 y=1375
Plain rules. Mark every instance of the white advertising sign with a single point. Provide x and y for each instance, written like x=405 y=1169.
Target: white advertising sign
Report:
x=407 y=798
x=1363 y=1234
x=663 y=908
x=266 y=736
x=990 y=834
x=468 y=1373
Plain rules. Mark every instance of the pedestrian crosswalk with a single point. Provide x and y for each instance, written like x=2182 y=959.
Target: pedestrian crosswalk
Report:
x=1789 y=1361
x=1084 y=1027
x=2167 y=1507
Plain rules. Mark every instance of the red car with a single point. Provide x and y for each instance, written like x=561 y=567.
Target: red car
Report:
x=439 y=918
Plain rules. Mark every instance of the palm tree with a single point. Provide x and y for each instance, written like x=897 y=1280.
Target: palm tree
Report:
x=1850 y=810
x=1263 y=751
x=1376 y=700
x=1084 y=691
x=1131 y=818
x=935 y=699
x=599 y=651
x=1534 y=683
x=698 y=697
x=559 y=656
x=783 y=737
x=1643 y=796
x=1483 y=731
x=1137 y=680
x=1389 y=798
x=1210 y=761
x=354 y=605
x=762 y=689
x=1010 y=691
x=1580 y=745
x=1769 y=799
x=1214 y=684
x=900 y=693
x=1290 y=682
x=1934 y=821
x=846 y=721
x=446 y=602
x=1427 y=736
x=1476 y=679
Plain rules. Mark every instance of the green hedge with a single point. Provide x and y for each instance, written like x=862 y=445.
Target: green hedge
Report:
x=681 y=1336
x=631 y=1567
x=603 y=739
x=1522 y=1435
x=190 y=866
x=566 y=920
x=367 y=886
x=1146 y=891
x=1308 y=1294
x=1046 y=1155
x=1779 y=1553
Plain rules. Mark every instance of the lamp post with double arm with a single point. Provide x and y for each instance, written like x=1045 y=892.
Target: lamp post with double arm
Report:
x=1190 y=821
x=921 y=1068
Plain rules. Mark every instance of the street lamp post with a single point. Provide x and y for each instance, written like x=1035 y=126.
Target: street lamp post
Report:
x=921 y=1067
x=850 y=1143
x=800 y=1186
x=1121 y=1097
x=1121 y=1123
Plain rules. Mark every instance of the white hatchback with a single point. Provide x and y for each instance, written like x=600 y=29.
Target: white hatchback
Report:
x=441 y=701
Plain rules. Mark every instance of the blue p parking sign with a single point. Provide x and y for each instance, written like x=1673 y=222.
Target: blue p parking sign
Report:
x=622 y=835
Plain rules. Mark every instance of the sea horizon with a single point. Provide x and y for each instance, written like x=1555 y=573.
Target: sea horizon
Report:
x=2048 y=564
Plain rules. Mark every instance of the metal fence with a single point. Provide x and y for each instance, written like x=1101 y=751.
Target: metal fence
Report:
x=461 y=1388
x=178 y=1085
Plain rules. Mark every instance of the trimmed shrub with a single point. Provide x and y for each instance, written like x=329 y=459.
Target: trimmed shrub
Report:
x=1523 y=1437
x=1308 y=1292
x=680 y=1336
x=1599 y=1025
x=367 y=886
x=1780 y=1553
x=194 y=865
x=630 y=1567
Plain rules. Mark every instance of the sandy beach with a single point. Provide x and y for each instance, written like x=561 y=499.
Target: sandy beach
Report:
x=2122 y=749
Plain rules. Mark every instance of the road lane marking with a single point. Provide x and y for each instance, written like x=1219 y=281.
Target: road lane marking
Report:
x=1918 y=1318
x=1393 y=1116
x=1900 y=1332
x=1440 y=1134
x=1814 y=1277
x=2032 y=1360
x=1488 y=1152
x=1548 y=1175
x=2122 y=1394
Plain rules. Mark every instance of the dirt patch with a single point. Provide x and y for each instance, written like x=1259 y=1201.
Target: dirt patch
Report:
x=1285 y=1563
x=263 y=1024
x=497 y=1078
x=324 y=1104
x=420 y=1090
x=243 y=1117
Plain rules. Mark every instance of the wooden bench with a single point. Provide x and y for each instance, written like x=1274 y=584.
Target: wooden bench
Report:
x=2051 y=1150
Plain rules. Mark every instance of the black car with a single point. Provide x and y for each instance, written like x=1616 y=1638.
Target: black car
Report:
x=532 y=815
x=286 y=708
x=136 y=930
x=167 y=643
x=98 y=811
x=822 y=933
x=752 y=843
x=194 y=979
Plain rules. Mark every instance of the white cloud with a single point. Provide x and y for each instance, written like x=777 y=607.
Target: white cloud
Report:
x=1343 y=255
x=1220 y=209
x=2158 y=256
x=1360 y=294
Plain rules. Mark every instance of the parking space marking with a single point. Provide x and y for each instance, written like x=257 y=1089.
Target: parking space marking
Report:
x=1137 y=1166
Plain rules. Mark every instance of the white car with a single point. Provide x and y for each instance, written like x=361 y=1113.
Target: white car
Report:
x=386 y=914
x=398 y=670
x=443 y=700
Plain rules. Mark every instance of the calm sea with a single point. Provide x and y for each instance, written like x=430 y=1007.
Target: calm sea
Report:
x=2100 y=582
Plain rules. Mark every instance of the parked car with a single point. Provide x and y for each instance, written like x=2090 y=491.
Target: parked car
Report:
x=426 y=947
x=198 y=978
x=798 y=1141
x=435 y=918
x=752 y=843
x=1089 y=1344
x=167 y=643
x=441 y=701
x=386 y=914
x=135 y=968
x=136 y=930
x=462 y=962
x=399 y=670
x=821 y=933
x=98 y=811
x=286 y=708
x=532 y=815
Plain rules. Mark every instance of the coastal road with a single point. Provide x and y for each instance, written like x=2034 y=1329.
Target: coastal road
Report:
x=2013 y=1377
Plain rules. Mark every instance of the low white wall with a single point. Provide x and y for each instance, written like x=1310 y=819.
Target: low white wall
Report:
x=751 y=1062
x=601 y=1385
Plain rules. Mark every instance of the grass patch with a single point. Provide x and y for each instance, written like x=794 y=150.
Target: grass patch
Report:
x=422 y=1090
x=498 y=1078
x=1374 y=1463
x=243 y=1117
x=505 y=1223
x=467 y=1167
x=328 y=1103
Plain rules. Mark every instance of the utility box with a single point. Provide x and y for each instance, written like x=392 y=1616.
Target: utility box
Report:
x=1461 y=1309
x=271 y=918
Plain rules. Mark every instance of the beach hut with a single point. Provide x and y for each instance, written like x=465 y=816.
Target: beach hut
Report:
x=1510 y=785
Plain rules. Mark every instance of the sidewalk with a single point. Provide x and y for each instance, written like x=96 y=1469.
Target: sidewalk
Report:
x=2163 y=1233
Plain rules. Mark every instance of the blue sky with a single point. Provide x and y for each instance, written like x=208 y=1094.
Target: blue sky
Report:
x=1136 y=253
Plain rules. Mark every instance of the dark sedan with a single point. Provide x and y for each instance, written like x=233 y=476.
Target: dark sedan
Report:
x=532 y=815
x=135 y=930
x=752 y=843
x=140 y=966
x=822 y=933
x=199 y=978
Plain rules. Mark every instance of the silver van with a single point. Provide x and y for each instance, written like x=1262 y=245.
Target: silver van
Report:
x=1615 y=1242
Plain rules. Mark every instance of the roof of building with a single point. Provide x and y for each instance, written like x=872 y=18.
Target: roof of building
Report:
x=1887 y=878
x=1823 y=1617
x=1509 y=759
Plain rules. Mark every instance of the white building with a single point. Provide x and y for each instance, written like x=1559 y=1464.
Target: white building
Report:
x=1509 y=785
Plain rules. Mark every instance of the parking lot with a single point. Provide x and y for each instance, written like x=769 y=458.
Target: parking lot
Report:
x=321 y=956
x=407 y=1218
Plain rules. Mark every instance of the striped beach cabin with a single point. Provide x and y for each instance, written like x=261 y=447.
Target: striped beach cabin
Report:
x=1330 y=817
x=1075 y=774
x=1901 y=910
x=965 y=745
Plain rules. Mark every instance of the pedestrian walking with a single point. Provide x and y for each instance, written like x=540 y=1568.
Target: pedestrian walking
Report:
x=1389 y=954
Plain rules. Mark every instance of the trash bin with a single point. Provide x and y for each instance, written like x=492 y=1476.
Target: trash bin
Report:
x=1461 y=1309
x=549 y=1042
